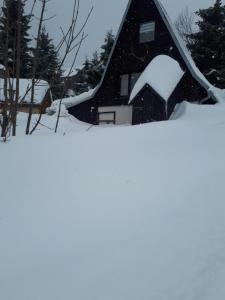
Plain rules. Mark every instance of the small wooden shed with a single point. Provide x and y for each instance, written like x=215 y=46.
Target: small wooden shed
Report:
x=42 y=94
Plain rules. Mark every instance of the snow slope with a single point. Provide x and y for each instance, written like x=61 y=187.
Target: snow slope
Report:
x=121 y=213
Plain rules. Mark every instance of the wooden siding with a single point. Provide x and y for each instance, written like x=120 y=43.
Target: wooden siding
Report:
x=148 y=106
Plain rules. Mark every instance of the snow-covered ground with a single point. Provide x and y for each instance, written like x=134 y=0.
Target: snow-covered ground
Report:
x=121 y=213
x=67 y=124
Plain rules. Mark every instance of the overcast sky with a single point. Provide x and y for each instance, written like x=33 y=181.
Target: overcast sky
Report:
x=107 y=14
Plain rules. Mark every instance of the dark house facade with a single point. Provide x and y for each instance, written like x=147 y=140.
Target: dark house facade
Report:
x=145 y=33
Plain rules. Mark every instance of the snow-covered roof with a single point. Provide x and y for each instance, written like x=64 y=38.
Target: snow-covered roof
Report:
x=163 y=74
x=73 y=101
x=40 y=90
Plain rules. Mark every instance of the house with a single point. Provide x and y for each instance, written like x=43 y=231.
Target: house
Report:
x=42 y=94
x=146 y=37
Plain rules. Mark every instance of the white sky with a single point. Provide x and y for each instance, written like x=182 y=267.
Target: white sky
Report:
x=107 y=14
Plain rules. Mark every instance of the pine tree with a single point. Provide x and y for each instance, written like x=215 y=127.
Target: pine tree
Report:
x=208 y=44
x=48 y=64
x=94 y=68
x=81 y=84
x=107 y=47
x=94 y=73
x=91 y=72
x=8 y=28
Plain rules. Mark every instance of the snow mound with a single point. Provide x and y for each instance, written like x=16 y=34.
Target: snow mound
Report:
x=196 y=113
x=163 y=74
x=40 y=90
x=217 y=93
x=54 y=109
x=123 y=213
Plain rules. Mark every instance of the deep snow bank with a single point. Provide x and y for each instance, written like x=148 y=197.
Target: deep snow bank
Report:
x=124 y=213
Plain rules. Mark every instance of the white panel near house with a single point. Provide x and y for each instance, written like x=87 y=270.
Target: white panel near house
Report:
x=106 y=117
x=123 y=113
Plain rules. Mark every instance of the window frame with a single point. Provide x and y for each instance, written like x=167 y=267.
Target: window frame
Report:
x=147 y=32
x=131 y=82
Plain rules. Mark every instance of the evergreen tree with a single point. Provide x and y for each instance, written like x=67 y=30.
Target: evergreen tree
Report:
x=208 y=44
x=81 y=79
x=48 y=64
x=107 y=47
x=94 y=68
x=91 y=72
x=8 y=28
x=94 y=71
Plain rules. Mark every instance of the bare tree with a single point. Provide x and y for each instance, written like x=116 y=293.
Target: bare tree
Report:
x=72 y=40
x=35 y=62
x=69 y=44
x=18 y=62
x=185 y=24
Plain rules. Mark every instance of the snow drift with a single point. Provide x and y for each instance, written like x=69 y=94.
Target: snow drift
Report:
x=124 y=213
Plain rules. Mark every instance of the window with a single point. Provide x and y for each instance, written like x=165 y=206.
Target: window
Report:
x=124 y=87
x=133 y=79
x=127 y=83
x=107 y=117
x=147 y=32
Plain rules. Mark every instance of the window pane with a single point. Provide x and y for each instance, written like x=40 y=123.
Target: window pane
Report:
x=124 y=85
x=133 y=79
x=147 y=32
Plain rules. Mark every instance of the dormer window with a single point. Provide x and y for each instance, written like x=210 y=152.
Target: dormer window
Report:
x=147 y=32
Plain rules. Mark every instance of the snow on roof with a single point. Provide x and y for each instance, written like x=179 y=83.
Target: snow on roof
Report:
x=163 y=74
x=2 y=67
x=40 y=90
x=72 y=101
